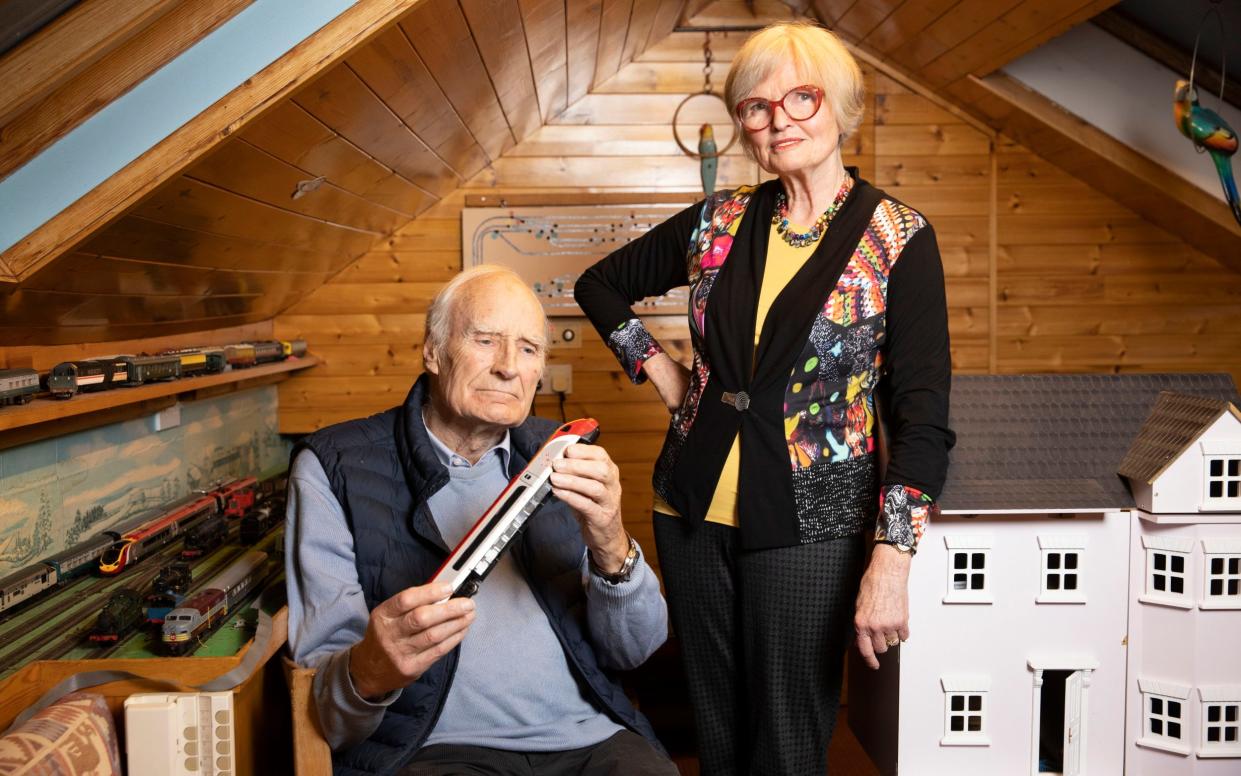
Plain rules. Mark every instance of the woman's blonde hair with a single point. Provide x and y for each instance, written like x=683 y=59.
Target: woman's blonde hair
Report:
x=819 y=57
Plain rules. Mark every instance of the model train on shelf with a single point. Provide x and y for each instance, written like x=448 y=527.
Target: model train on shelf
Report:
x=113 y=550
x=202 y=612
x=67 y=379
x=18 y=386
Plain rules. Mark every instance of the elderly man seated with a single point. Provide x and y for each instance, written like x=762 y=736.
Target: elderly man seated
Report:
x=517 y=679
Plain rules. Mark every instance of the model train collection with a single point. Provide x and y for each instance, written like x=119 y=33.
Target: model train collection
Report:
x=242 y=510
x=67 y=379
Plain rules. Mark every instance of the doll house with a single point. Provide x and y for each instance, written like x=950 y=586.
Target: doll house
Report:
x=1075 y=609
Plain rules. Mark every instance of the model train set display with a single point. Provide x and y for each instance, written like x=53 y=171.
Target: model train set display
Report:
x=139 y=551
x=69 y=378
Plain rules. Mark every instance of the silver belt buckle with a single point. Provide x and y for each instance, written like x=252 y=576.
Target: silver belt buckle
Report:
x=740 y=401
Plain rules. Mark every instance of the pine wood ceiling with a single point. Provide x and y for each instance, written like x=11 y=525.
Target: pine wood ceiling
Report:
x=277 y=208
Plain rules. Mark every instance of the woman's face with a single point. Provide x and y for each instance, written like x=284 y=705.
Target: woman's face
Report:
x=789 y=146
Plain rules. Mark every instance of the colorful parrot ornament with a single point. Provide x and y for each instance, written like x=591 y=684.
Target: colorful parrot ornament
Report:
x=708 y=158
x=1209 y=132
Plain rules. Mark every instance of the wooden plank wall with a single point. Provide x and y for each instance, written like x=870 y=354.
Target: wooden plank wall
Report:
x=1043 y=273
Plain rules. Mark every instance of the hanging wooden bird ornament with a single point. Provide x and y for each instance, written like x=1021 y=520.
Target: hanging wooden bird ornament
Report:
x=708 y=153
x=708 y=158
x=1206 y=128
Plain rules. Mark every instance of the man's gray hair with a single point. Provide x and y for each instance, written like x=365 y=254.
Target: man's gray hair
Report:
x=439 y=314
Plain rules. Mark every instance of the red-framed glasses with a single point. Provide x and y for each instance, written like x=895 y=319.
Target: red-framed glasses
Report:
x=799 y=104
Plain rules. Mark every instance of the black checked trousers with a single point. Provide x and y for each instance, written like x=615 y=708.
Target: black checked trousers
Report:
x=763 y=636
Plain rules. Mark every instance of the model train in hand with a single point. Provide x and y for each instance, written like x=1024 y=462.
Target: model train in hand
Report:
x=113 y=550
x=67 y=379
x=480 y=549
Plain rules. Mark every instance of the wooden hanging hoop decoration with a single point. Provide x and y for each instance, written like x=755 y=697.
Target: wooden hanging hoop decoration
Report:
x=676 y=115
x=707 y=91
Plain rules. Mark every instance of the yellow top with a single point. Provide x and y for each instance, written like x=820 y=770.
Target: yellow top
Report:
x=783 y=262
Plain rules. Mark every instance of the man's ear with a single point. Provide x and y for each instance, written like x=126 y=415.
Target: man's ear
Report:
x=430 y=358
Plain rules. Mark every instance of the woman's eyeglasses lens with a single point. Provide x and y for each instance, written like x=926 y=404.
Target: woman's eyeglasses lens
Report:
x=800 y=104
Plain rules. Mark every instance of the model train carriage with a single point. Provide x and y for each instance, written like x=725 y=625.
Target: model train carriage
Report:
x=185 y=624
x=205 y=536
x=81 y=557
x=173 y=578
x=167 y=591
x=256 y=524
x=236 y=498
x=136 y=544
x=192 y=362
x=268 y=351
x=190 y=622
x=149 y=369
x=122 y=614
x=240 y=356
x=21 y=586
x=217 y=361
x=18 y=386
x=68 y=378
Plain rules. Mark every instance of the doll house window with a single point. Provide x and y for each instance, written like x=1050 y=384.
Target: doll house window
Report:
x=965 y=711
x=969 y=565
x=1061 y=580
x=1223 y=478
x=1164 y=711
x=1167 y=571
x=1221 y=722
x=1222 y=580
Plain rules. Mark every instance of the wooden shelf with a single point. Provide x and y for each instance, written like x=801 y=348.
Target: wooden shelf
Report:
x=43 y=418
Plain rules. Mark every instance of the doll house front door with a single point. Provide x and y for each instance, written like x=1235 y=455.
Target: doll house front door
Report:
x=1073 y=724
x=1059 y=734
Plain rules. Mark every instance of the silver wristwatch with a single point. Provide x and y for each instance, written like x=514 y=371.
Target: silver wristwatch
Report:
x=626 y=569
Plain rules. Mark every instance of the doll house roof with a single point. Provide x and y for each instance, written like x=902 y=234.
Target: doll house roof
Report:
x=1055 y=443
x=1174 y=424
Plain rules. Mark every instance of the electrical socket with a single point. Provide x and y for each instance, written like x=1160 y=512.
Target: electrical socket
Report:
x=557 y=378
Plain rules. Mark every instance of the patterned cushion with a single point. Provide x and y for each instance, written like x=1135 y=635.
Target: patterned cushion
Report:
x=75 y=735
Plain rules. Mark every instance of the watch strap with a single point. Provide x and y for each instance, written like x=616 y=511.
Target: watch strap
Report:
x=626 y=569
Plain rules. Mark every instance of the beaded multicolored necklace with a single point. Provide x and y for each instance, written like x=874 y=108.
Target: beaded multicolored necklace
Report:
x=780 y=219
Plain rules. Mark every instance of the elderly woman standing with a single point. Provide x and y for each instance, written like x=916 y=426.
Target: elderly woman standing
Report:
x=815 y=299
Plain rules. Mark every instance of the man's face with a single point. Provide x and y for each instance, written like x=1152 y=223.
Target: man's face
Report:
x=487 y=372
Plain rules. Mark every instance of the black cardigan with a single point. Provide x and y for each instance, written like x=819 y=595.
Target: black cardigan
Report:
x=912 y=337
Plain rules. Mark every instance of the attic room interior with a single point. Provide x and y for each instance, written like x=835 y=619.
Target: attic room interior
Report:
x=315 y=313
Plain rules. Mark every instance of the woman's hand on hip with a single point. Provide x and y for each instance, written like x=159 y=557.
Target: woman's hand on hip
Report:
x=881 y=618
x=670 y=378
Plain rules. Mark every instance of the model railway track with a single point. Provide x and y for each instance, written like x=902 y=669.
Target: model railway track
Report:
x=57 y=627
x=67 y=624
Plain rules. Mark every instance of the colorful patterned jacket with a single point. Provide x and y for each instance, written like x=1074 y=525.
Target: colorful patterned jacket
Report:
x=862 y=324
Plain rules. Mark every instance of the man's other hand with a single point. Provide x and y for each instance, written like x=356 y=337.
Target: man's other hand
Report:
x=587 y=480
x=406 y=635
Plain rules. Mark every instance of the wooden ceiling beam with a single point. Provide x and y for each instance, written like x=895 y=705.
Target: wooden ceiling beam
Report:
x=71 y=43
x=76 y=99
x=187 y=144
x=1148 y=188
x=1206 y=78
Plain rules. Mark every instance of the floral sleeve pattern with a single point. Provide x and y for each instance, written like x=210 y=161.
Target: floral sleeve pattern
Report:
x=904 y=512
x=632 y=345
